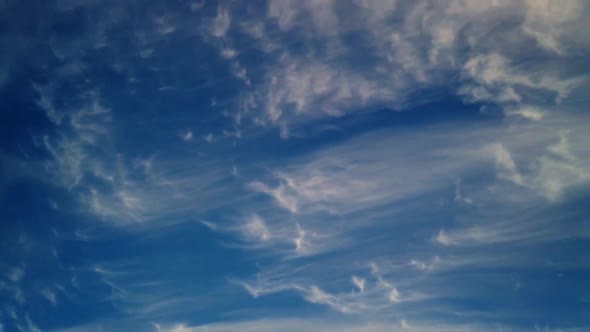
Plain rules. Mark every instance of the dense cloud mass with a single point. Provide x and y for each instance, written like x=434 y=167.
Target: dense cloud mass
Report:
x=283 y=165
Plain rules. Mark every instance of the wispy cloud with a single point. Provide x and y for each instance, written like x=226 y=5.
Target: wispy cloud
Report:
x=15 y=274
x=221 y=23
x=416 y=44
x=50 y=296
x=293 y=325
x=86 y=162
x=255 y=229
x=508 y=209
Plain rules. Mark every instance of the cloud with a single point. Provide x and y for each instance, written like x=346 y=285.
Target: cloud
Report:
x=176 y=328
x=353 y=177
x=221 y=23
x=459 y=198
x=367 y=194
x=423 y=266
x=255 y=229
x=209 y=225
x=187 y=136
x=359 y=283
x=70 y=151
x=497 y=81
x=209 y=138
x=50 y=296
x=333 y=210
x=293 y=325
x=228 y=53
x=404 y=324
x=300 y=244
x=528 y=113
x=278 y=193
x=197 y=5
x=373 y=297
x=403 y=49
x=507 y=166
x=394 y=296
x=443 y=238
x=30 y=325
x=546 y=22
x=111 y=184
x=15 y=274
x=521 y=219
x=316 y=295
x=298 y=92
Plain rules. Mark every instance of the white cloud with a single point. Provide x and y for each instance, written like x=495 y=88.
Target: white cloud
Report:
x=497 y=80
x=278 y=193
x=394 y=296
x=459 y=198
x=404 y=324
x=187 y=136
x=326 y=325
x=359 y=283
x=502 y=209
x=346 y=179
x=284 y=12
x=114 y=185
x=406 y=47
x=556 y=175
x=376 y=272
x=209 y=225
x=15 y=274
x=546 y=21
x=30 y=325
x=372 y=297
x=50 y=296
x=443 y=238
x=512 y=215
x=228 y=53
x=300 y=244
x=197 y=5
x=528 y=113
x=423 y=266
x=176 y=328
x=354 y=177
x=316 y=295
x=164 y=26
x=255 y=229
x=221 y=23
x=296 y=92
x=508 y=170
x=241 y=74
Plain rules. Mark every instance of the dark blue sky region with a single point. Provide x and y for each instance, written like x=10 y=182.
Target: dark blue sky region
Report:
x=311 y=165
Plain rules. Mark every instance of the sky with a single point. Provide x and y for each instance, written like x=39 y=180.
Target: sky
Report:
x=294 y=165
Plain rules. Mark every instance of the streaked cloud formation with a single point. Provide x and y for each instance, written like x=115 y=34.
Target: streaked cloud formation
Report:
x=358 y=165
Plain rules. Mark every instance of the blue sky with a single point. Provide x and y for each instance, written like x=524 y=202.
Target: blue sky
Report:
x=356 y=165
